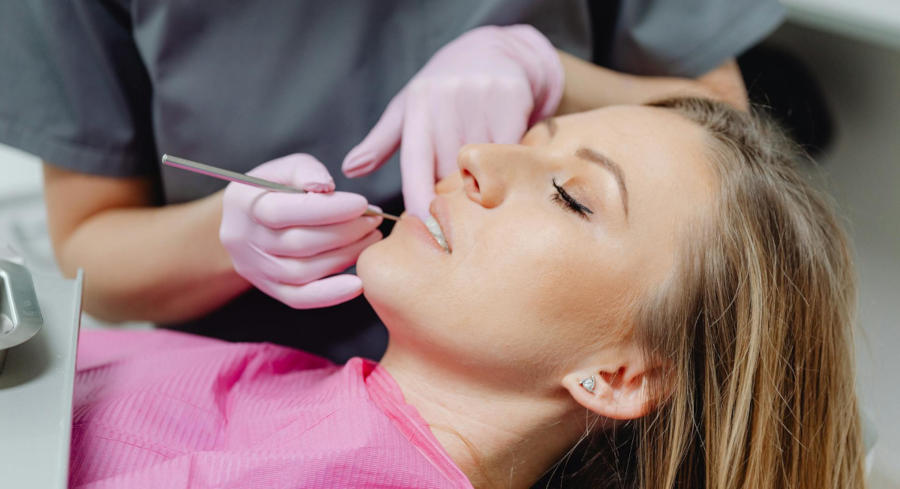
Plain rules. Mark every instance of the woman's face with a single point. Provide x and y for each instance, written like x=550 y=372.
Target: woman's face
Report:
x=551 y=240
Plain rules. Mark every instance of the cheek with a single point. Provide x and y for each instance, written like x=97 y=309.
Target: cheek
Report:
x=554 y=284
x=587 y=302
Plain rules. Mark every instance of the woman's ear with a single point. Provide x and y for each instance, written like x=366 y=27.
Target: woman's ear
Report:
x=617 y=391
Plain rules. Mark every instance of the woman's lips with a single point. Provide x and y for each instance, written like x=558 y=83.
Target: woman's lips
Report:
x=438 y=209
x=418 y=228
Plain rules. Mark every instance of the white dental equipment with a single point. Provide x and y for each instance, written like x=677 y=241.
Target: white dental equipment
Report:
x=20 y=315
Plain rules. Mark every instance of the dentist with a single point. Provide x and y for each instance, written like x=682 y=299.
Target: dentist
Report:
x=99 y=90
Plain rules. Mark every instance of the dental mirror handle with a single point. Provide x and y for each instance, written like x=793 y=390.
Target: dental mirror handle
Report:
x=231 y=176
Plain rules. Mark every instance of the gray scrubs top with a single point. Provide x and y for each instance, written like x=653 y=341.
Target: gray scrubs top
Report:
x=106 y=87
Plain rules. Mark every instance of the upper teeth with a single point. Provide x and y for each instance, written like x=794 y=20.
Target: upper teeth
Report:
x=433 y=226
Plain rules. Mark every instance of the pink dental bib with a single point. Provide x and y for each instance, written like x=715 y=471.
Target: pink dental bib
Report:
x=159 y=409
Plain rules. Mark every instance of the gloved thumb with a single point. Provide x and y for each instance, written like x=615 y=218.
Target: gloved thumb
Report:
x=381 y=142
x=297 y=170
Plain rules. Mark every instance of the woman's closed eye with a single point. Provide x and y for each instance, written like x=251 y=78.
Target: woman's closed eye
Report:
x=568 y=202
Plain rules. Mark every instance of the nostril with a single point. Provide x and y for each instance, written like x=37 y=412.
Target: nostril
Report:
x=470 y=183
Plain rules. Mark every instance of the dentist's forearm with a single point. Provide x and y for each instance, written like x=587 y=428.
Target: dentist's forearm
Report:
x=160 y=264
x=589 y=86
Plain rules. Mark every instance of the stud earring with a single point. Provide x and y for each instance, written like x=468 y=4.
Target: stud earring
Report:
x=589 y=384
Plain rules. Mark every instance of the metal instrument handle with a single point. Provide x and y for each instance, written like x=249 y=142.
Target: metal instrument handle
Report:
x=231 y=176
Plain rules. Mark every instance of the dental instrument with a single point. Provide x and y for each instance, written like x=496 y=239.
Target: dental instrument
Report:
x=231 y=176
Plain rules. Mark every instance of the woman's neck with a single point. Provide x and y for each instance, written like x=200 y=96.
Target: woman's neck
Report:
x=497 y=438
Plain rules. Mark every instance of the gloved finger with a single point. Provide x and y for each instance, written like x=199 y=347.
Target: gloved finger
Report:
x=417 y=162
x=299 y=271
x=476 y=129
x=302 y=242
x=278 y=210
x=509 y=119
x=381 y=142
x=447 y=118
x=321 y=293
x=508 y=131
x=297 y=170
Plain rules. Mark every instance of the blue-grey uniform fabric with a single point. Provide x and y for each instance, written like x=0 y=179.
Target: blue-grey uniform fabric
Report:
x=107 y=86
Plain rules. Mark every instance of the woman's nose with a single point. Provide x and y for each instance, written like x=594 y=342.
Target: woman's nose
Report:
x=485 y=172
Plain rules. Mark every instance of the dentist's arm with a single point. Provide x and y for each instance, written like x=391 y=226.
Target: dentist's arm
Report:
x=589 y=86
x=177 y=262
x=161 y=264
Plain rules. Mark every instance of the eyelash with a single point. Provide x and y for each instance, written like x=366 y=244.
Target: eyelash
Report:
x=566 y=201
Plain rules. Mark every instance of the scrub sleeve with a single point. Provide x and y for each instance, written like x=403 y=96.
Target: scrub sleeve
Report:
x=687 y=38
x=107 y=87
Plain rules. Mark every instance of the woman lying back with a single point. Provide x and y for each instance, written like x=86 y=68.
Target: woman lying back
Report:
x=637 y=296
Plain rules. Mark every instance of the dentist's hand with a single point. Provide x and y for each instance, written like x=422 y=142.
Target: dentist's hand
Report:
x=286 y=244
x=488 y=85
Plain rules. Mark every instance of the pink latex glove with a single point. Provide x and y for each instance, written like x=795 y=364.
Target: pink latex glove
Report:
x=488 y=85
x=285 y=243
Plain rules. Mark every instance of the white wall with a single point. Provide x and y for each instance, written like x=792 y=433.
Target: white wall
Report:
x=20 y=173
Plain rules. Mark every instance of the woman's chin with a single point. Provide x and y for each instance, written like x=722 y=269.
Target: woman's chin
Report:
x=367 y=267
x=391 y=267
x=378 y=287
x=393 y=281
x=381 y=272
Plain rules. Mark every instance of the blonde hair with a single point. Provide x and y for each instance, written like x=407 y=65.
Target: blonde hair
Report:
x=755 y=328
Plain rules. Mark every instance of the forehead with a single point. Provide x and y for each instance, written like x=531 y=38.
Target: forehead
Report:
x=658 y=150
x=632 y=125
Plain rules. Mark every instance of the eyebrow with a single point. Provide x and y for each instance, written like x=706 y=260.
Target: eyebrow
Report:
x=597 y=157
x=612 y=167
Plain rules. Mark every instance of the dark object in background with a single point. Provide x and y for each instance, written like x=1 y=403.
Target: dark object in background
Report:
x=774 y=78
x=780 y=82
